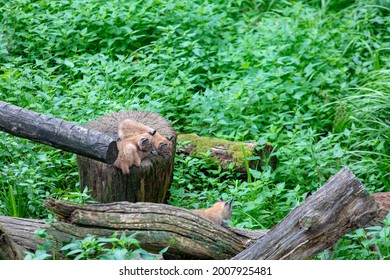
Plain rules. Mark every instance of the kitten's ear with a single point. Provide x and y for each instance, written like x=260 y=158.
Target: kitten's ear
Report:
x=230 y=203
x=169 y=137
x=162 y=145
x=153 y=132
x=220 y=199
x=143 y=141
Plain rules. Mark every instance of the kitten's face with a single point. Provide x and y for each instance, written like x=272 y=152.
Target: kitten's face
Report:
x=163 y=145
x=144 y=143
x=226 y=208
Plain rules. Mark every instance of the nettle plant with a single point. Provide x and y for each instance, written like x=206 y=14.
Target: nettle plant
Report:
x=94 y=248
x=308 y=76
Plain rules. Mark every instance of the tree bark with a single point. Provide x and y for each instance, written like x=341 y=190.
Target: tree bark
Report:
x=149 y=182
x=57 y=133
x=17 y=237
x=339 y=207
x=383 y=200
x=158 y=226
x=228 y=152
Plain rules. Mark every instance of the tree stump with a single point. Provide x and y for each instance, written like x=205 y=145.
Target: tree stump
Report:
x=148 y=183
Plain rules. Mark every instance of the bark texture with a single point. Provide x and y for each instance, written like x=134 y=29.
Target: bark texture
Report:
x=339 y=207
x=17 y=237
x=158 y=226
x=57 y=133
x=383 y=200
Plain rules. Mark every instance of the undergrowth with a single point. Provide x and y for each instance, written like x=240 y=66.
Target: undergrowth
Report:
x=311 y=77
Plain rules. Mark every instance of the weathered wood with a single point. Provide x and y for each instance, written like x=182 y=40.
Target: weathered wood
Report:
x=339 y=207
x=226 y=152
x=158 y=225
x=383 y=200
x=17 y=237
x=57 y=133
x=8 y=249
x=149 y=182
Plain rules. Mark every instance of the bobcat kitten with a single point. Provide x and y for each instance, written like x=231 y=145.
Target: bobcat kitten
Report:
x=132 y=151
x=128 y=128
x=162 y=145
x=218 y=213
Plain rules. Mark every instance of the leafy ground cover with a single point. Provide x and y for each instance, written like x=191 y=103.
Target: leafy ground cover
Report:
x=311 y=77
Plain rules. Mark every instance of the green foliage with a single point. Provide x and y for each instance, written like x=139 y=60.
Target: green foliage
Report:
x=369 y=121
x=311 y=77
x=370 y=243
x=42 y=252
x=92 y=248
x=35 y=172
x=96 y=248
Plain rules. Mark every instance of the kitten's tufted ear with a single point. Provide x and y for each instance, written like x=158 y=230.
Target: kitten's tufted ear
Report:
x=153 y=132
x=143 y=141
x=220 y=199
x=162 y=146
x=169 y=137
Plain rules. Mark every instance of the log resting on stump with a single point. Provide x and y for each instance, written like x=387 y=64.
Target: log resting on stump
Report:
x=148 y=183
x=226 y=152
x=339 y=207
x=57 y=133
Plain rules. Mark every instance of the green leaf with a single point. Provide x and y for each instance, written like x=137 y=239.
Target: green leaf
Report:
x=68 y=63
x=120 y=254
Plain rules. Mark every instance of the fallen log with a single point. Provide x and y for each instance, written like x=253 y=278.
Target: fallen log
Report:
x=148 y=183
x=226 y=152
x=17 y=237
x=57 y=133
x=339 y=207
x=158 y=226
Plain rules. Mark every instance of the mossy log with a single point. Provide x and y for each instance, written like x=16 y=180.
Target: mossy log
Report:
x=148 y=183
x=225 y=152
x=339 y=207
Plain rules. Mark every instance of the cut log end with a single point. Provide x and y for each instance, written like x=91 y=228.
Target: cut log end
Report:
x=112 y=153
